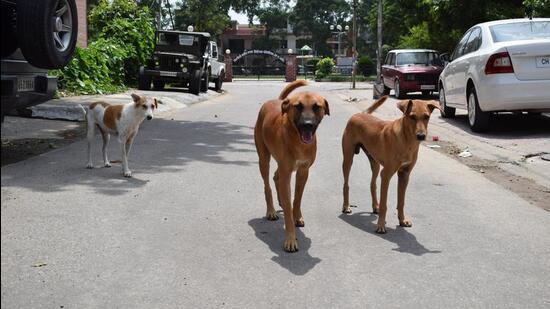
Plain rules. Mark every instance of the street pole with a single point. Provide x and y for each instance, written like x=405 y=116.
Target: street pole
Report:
x=379 y=56
x=354 y=51
x=158 y=15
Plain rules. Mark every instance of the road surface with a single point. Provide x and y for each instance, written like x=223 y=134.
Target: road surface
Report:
x=187 y=231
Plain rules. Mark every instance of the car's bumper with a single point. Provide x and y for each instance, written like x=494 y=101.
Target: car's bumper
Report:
x=166 y=74
x=15 y=94
x=504 y=92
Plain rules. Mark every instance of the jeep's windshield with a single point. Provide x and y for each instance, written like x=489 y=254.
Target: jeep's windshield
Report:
x=175 y=39
x=418 y=58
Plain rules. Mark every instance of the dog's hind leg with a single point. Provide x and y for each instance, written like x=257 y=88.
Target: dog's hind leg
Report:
x=402 y=182
x=276 y=180
x=301 y=179
x=90 y=137
x=106 y=137
x=375 y=168
x=347 y=149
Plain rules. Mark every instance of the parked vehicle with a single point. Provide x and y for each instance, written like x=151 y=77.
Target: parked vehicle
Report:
x=36 y=36
x=186 y=58
x=498 y=66
x=411 y=70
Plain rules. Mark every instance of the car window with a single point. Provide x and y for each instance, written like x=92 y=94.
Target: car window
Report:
x=174 y=39
x=460 y=46
x=527 y=30
x=387 y=61
x=392 y=59
x=474 y=41
x=214 y=51
x=417 y=58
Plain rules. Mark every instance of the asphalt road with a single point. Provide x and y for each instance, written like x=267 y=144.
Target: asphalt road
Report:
x=187 y=231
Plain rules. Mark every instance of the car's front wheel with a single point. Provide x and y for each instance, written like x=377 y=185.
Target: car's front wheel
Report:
x=398 y=92
x=478 y=119
x=195 y=82
x=448 y=112
x=158 y=84
x=204 y=82
x=144 y=82
x=386 y=88
x=219 y=81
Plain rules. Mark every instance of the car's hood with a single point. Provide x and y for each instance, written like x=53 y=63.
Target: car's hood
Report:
x=419 y=69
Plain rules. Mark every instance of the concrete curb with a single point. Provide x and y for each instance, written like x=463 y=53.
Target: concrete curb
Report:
x=69 y=108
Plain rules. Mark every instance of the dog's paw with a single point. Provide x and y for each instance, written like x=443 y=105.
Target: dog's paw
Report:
x=381 y=229
x=271 y=216
x=406 y=223
x=375 y=209
x=107 y=164
x=290 y=244
x=300 y=222
x=346 y=209
x=90 y=166
x=128 y=174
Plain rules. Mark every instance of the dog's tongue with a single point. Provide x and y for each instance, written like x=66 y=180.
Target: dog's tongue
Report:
x=307 y=137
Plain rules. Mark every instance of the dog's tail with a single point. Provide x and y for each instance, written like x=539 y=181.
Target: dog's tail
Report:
x=84 y=112
x=376 y=104
x=290 y=87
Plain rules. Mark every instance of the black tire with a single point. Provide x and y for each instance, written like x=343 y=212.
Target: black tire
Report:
x=205 y=81
x=195 y=82
x=158 y=84
x=478 y=119
x=47 y=31
x=398 y=93
x=219 y=81
x=447 y=112
x=144 y=82
x=386 y=89
x=9 y=37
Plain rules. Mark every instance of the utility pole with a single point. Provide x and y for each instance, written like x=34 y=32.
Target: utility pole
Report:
x=159 y=27
x=379 y=54
x=354 y=49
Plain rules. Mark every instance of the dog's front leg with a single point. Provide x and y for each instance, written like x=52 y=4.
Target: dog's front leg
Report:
x=301 y=179
x=403 y=181
x=125 y=170
x=384 y=185
x=291 y=243
x=106 y=137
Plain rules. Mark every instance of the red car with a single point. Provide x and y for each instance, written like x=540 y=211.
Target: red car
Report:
x=411 y=70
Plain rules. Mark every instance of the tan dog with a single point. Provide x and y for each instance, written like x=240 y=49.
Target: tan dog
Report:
x=285 y=129
x=392 y=144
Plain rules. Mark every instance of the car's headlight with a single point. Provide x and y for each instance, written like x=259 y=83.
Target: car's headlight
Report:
x=177 y=60
x=184 y=69
x=156 y=63
x=409 y=77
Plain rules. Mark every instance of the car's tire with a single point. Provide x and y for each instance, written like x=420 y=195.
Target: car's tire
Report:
x=205 y=81
x=195 y=82
x=158 y=84
x=478 y=119
x=9 y=36
x=446 y=111
x=219 y=81
x=47 y=31
x=144 y=82
x=386 y=89
x=398 y=92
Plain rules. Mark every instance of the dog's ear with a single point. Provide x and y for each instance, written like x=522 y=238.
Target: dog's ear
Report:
x=285 y=105
x=136 y=98
x=327 y=110
x=433 y=104
x=405 y=106
x=155 y=102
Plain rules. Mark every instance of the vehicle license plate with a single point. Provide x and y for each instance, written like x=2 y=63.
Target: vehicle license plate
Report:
x=170 y=74
x=543 y=62
x=25 y=84
x=427 y=87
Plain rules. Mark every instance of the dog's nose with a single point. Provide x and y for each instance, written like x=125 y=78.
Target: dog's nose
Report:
x=149 y=117
x=420 y=136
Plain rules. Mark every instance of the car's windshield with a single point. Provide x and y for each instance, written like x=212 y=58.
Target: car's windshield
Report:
x=417 y=58
x=175 y=39
x=527 y=30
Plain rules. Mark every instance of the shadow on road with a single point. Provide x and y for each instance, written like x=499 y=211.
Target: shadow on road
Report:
x=508 y=126
x=272 y=234
x=405 y=241
x=161 y=146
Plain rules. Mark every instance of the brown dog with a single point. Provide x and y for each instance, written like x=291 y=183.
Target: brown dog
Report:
x=392 y=144
x=285 y=129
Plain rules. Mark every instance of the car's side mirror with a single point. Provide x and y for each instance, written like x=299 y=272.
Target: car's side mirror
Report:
x=445 y=58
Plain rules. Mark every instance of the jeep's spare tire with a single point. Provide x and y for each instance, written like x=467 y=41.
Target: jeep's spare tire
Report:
x=47 y=31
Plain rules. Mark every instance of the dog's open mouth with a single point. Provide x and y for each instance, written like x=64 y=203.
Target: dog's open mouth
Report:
x=306 y=133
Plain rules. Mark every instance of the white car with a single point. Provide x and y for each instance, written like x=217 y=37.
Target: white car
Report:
x=498 y=66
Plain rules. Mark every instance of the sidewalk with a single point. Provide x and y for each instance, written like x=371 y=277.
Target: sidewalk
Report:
x=68 y=108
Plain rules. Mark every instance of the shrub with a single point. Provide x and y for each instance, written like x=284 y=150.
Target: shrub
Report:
x=365 y=65
x=324 y=67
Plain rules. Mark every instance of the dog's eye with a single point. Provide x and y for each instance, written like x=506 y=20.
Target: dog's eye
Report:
x=316 y=108
x=412 y=117
x=299 y=107
x=144 y=107
x=426 y=117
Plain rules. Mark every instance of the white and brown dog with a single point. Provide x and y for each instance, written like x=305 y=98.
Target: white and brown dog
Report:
x=120 y=120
